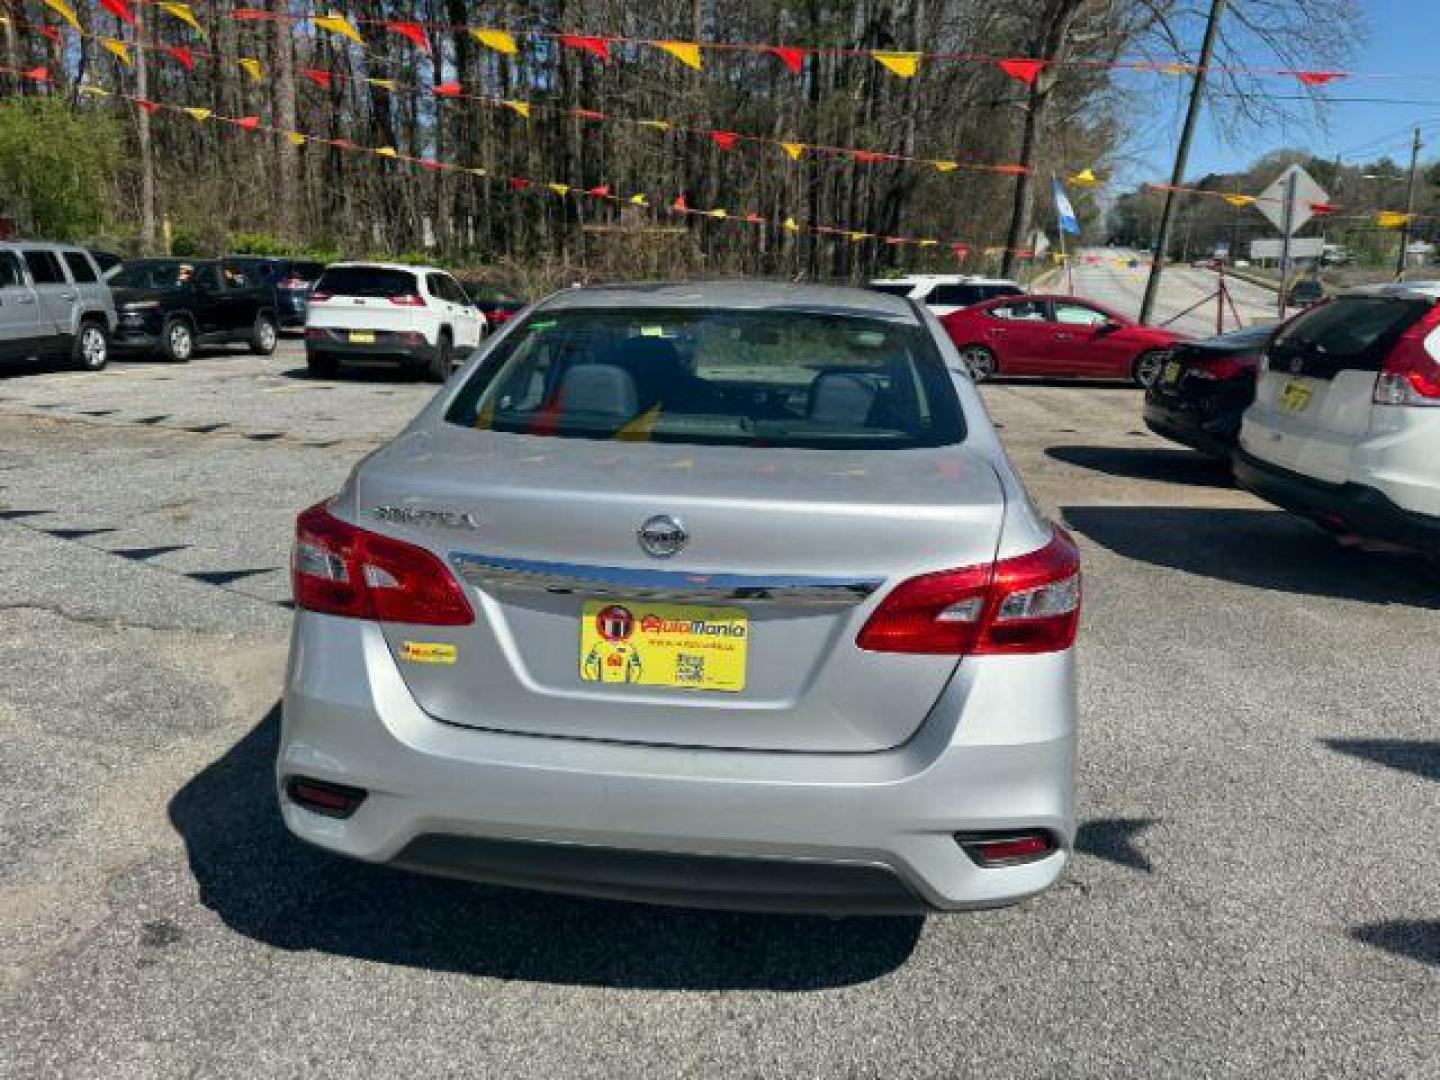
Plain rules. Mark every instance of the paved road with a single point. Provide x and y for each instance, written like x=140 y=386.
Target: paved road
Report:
x=1255 y=892
x=1123 y=287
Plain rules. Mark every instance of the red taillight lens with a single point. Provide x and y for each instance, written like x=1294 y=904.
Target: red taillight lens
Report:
x=319 y=297
x=1411 y=372
x=1028 y=604
x=989 y=849
x=1216 y=369
x=408 y=300
x=316 y=333
x=341 y=569
x=293 y=283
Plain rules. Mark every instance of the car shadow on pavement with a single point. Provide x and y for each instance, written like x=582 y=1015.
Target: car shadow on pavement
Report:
x=1266 y=549
x=1165 y=464
x=270 y=887
x=1419 y=939
x=1409 y=755
x=380 y=374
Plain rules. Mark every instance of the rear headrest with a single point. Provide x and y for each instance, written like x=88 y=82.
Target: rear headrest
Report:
x=599 y=388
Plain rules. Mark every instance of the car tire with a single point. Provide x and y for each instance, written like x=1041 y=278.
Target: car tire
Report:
x=264 y=335
x=92 y=348
x=438 y=370
x=177 y=341
x=321 y=366
x=979 y=362
x=1147 y=367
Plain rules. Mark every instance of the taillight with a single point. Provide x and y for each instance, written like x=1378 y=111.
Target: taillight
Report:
x=316 y=333
x=1215 y=370
x=408 y=300
x=319 y=297
x=1027 y=604
x=293 y=283
x=1410 y=374
x=341 y=569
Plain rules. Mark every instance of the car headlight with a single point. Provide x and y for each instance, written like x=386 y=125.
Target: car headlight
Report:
x=142 y=305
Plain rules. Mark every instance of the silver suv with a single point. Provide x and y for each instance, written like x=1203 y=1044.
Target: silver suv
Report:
x=54 y=305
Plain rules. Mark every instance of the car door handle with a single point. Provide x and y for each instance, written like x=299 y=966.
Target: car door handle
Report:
x=67 y=296
x=996 y=330
x=25 y=299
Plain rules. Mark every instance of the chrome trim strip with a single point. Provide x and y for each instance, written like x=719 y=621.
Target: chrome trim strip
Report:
x=625 y=582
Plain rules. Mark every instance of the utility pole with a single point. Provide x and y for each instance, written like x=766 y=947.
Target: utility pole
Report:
x=1182 y=158
x=1286 y=230
x=1401 y=259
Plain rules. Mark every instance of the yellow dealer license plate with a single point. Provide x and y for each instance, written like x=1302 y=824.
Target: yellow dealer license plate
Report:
x=1172 y=372
x=680 y=645
x=362 y=337
x=1295 y=397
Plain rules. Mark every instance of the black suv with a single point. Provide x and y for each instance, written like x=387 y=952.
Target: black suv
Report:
x=292 y=280
x=172 y=306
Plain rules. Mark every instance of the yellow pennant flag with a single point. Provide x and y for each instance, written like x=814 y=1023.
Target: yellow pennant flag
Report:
x=927 y=243
x=184 y=14
x=718 y=213
x=65 y=11
x=794 y=149
x=338 y=24
x=90 y=90
x=296 y=139
x=522 y=108
x=559 y=189
x=658 y=125
x=638 y=200
x=1392 y=219
x=200 y=114
x=1240 y=200
x=856 y=237
x=251 y=67
x=687 y=52
x=478 y=172
x=384 y=84
x=904 y=64
x=789 y=225
x=387 y=151
x=117 y=49
x=498 y=40
x=1084 y=178
x=945 y=166
x=1174 y=69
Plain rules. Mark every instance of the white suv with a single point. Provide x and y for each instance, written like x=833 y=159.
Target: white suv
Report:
x=1345 y=428
x=944 y=293
x=416 y=316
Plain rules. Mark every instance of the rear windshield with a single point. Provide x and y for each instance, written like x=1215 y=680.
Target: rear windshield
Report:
x=719 y=377
x=309 y=271
x=1348 y=334
x=366 y=281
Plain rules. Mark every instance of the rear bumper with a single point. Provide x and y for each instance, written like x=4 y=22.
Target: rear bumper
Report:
x=718 y=828
x=1350 y=508
x=1215 y=436
x=384 y=349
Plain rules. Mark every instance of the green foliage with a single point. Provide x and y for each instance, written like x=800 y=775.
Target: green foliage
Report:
x=56 y=167
x=187 y=245
x=260 y=243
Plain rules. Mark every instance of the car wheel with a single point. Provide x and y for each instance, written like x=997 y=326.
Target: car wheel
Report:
x=265 y=335
x=92 y=348
x=177 y=341
x=980 y=362
x=1146 y=369
x=439 y=367
x=322 y=367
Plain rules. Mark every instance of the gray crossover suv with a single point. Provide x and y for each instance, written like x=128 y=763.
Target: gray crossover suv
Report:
x=53 y=305
x=716 y=594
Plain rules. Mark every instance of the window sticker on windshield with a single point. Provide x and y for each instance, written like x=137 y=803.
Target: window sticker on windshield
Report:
x=652 y=331
x=548 y=324
x=870 y=338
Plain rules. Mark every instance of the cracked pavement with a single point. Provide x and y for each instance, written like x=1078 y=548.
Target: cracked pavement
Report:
x=1254 y=893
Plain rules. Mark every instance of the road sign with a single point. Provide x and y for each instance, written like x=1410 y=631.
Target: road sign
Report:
x=1271 y=201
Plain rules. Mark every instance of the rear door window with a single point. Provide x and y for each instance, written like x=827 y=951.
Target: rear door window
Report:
x=44 y=268
x=1353 y=333
x=80 y=268
x=771 y=379
x=1079 y=315
x=367 y=281
x=10 y=272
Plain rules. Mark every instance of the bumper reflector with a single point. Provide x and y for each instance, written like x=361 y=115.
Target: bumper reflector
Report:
x=1005 y=849
x=322 y=797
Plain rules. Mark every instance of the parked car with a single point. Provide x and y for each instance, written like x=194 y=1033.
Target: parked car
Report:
x=292 y=280
x=53 y=306
x=944 y=293
x=1345 y=429
x=717 y=593
x=1057 y=337
x=171 y=307
x=1204 y=388
x=497 y=305
x=415 y=316
x=1304 y=292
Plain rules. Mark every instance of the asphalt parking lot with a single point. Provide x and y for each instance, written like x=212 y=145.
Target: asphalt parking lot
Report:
x=1255 y=891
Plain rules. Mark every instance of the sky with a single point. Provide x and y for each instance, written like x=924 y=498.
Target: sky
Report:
x=1402 y=40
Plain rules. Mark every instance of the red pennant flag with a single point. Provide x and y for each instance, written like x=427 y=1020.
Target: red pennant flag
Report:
x=249 y=15
x=1318 y=78
x=518 y=184
x=412 y=32
x=792 y=58
x=754 y=218
x=318 y=77
x=1027 y=71
x=183 y=56
x=894 y=240
x=600 y=191
x=867 y=157
x=38 y=74
x=596 y=45
x=120 y=10
x=431 y=164
x=680 y=204
x=725 y=140
x=248 y=123
x=960 y=250
x=1009 y=170
x=148 y=106
x=342 y=144
x=51 y=32
x=1320 y=209
x=587 y=114
x=448 y=89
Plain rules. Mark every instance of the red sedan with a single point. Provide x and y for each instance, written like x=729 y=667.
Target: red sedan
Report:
x=1056 y=337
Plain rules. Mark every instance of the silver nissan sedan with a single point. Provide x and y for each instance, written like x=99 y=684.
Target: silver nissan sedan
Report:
x=718 y=594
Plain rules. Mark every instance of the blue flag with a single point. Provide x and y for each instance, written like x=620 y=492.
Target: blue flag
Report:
x=1064 y=212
